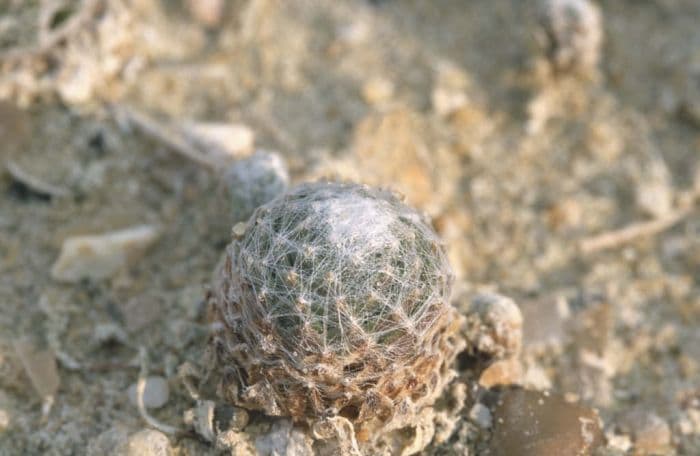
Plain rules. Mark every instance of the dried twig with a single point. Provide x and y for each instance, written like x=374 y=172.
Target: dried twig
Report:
x=88 y=10
x=169 y=135
x=140 y=388
x=636 y=231
x=33 y=182
x=266 y=123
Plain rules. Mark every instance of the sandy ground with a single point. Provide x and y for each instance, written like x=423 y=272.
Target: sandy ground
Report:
x=449 y=102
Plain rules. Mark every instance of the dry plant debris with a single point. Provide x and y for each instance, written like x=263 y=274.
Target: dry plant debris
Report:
x=640 y=230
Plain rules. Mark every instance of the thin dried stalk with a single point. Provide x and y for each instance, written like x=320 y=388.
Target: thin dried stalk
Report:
x=631 y=233
x=140 y=388
x=33 y=182
x=169 y=135
x=88 y=10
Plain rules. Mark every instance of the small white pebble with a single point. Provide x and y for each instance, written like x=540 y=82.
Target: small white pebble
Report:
x=377 y=91
x=499 y=328
x=40 y=367
x=232 y=139
x=447 y=101
x=155 y=394
x=481 y=415
x=654 y=192
x=254 y=181
x=206 y=12
x=4 y=420
x=148 y=442
x=238 y=229
x=621 y=442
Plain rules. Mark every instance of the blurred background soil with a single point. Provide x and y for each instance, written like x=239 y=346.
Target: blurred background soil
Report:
x=449 y=102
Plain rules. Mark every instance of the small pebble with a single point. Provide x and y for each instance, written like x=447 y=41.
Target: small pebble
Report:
x=650 y=433
x=283 y=438
x=481 y=415
x=655 y=198
x=494 y=325
x=654 y=192
x=449 y=93
x=40 y=366
x=447 y=101
x=254 y=181
x=155 y=393
x=207 y=12
x=209 y=419
x=148 y=442
x=101 y=256
x=501 y=373
x=354 y=33
x=238 y=230
x=227 y=417
x=4 y=420
x=532 y=423
x=377 y=91
x=565 y=214
x=619 y=442
x=689 y=422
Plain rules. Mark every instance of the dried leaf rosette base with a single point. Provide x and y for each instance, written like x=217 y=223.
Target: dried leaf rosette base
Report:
x=334 y=302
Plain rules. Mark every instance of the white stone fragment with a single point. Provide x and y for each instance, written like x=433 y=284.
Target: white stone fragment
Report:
x=254 y=181
x=620 y=442
x=4 y=420
x=449 y=93
x=446 y=101
x=40 y=366
x=148 y=442
x=377 y=91
x=228 y=138
x=654 y=192
x=101 y=256
x=494 y=325
x=481 y=415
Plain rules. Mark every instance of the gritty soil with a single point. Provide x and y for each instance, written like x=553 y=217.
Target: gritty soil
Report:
x=448 y=102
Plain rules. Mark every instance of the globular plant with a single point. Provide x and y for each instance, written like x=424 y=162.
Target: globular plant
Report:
x=334 y=301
